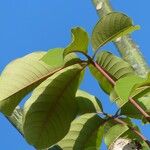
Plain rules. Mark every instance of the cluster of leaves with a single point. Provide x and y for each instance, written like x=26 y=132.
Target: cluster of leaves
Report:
x=58 y=115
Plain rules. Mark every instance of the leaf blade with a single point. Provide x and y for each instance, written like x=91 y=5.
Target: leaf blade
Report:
x=114 y=133
x=85 y=133
x=124 y=86
x=29 y=71
x=49 y=114
x=87 y=103
x=79 y=42
x=54 y=57
x=110 y=27
x=115 y=67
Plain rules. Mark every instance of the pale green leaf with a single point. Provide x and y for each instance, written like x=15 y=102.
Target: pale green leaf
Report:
x=19 y=78
x=87 y=103
x=141 y=93
x=115 y=66
x=110 y=27
x=79 y=43
x=51 y=108
x=54 y=58
x=86 y=132
x=129 y=110
x=142 y=88
x=123 y=88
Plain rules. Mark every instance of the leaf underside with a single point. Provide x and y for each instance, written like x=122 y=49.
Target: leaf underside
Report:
x=110 y=27
x=19 y=78
x=79 y=42
x=115 y=66
x=51 y=108
x=87 y=103
x=85 y=132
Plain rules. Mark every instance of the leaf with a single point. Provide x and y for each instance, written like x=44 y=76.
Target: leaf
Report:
x=129 y=110
x=111 y=27
x=123 y=88
x=141 y=88
x=71 y=59
x=115 y=66
x=144 y=145
x=19 y=78
x=54 y=58
x=140 y=92
x=87 y=103
x=79 y=43
x=16 y=119
x=51 y=108
x=56 y=147
x=114 y=133
x=86 y=132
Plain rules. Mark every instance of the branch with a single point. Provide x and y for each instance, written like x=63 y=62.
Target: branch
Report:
x=126 y=46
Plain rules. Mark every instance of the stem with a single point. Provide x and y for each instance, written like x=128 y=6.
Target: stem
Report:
x=112 y=81
x=126 y=46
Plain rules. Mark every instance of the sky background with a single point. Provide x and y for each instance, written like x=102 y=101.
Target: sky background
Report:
x=34 y=25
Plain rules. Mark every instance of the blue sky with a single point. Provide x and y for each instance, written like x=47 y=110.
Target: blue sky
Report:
x=33 y=25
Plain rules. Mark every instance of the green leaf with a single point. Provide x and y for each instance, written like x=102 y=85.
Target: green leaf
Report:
x=119 y=131
x=141 y=93
x=51 y=108
x=87 y=103
x=19 y=78
x=142 y=88
x=114 y=133
x=115 y=66
x=110 y=27
x=129 y=110
x=16 y=119
x=71 y=59
x=144 y=145
x=79 y=43
x=56 y=147
x=86 y=132
x=54 y=58
x=124 y=86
